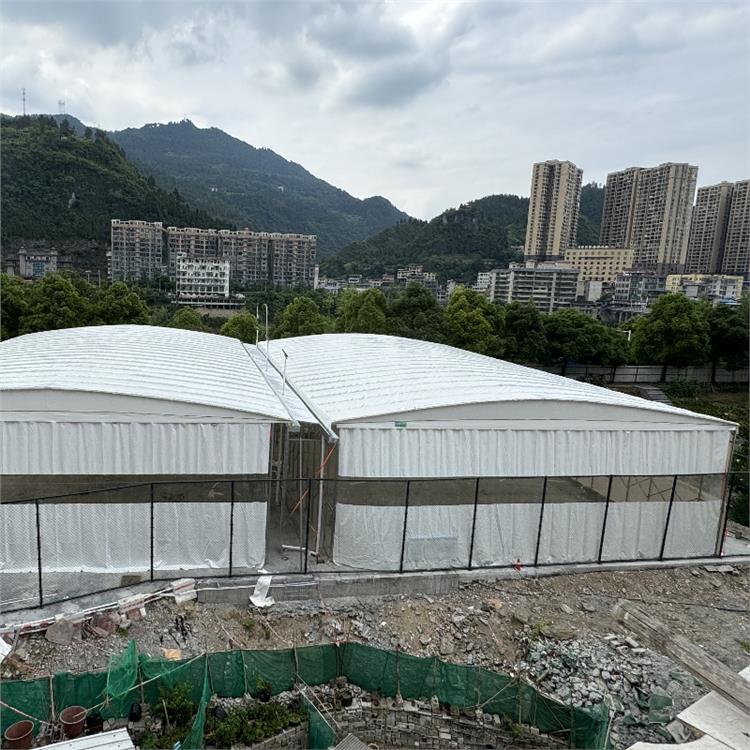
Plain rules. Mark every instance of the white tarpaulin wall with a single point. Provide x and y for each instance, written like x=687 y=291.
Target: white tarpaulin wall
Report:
x=89 y=448
x=378 y=451
x=370 y=537
x=114 y=537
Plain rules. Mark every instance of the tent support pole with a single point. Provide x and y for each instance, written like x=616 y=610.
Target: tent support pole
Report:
x=231 y=525
x=307 y=522
x=669 y=516
x=320 y=497
x=604 y=520
x=39 y=553
x=541 y=521
x=473 y=523
x=406 y=518
x=152 y=532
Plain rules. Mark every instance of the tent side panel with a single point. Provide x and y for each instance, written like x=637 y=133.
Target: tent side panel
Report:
x=91 y=448
x=416 y=451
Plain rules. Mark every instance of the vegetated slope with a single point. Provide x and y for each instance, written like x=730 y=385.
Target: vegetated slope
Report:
x=459 y=242
x=456 y=244
x=253 y=187
x=59 y=186
x=590 y=217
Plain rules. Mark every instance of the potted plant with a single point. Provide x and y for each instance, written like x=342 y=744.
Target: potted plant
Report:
x=263 y=689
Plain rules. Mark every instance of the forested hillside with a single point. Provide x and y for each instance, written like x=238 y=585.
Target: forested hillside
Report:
x=456 y=244
x=60 y=186
x=459 y=242
x=253 y=187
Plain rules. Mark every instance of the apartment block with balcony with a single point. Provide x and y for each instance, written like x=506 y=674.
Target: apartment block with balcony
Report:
x=554 y=206
x=548 y=286
x=736 y=258
x=597 y=263
x=145 y=249
x=649 y=210
x=717 y=288
x=138 y=250
x=638 y=289
x=708 y=228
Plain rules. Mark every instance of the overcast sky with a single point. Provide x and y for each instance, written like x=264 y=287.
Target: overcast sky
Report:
x=429 y=104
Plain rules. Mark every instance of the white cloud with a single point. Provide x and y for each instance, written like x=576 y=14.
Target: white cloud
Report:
x=428 y=103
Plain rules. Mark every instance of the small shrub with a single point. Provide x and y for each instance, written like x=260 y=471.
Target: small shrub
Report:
x=176 y=705
x=684 y=389
x=248 y=623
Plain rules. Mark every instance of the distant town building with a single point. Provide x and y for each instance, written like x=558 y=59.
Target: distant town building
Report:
x=708 y=228
x=716 y=288
x=589 y=290
x=638 y=288
x=649 y=210
x=138 y=250
x=736 y=258
x=549 y=286
x=199 y=282
x=253 y=257
x=553 y=209
x=414 y=273
x=598 y=263
x=33 y=264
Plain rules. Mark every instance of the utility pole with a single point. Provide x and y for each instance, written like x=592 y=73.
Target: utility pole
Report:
x=23 y=98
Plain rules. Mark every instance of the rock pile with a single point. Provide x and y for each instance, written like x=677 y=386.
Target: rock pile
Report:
x=643 y=690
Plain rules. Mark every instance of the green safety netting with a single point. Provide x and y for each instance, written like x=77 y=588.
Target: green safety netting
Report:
x=131 y=677
x=320 y=734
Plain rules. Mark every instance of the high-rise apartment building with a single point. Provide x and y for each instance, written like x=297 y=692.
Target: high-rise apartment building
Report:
x=708 y=228
x=138 y=250
x=649 y=210
x=736 y=260
x=617 y=211
x=253 y=257
x=553 y=209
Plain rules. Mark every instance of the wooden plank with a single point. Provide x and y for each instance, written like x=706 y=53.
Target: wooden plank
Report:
x=709 y=670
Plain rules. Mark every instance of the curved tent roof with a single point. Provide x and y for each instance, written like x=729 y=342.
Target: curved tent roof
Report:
x=149 y=362
x=347 y=377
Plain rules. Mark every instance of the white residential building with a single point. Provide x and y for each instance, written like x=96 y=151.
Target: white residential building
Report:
x=201 y=281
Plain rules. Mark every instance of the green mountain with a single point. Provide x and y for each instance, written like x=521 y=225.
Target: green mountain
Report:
x=58 y=186
x=485 y=233
x=253 y=187
x=456 y=244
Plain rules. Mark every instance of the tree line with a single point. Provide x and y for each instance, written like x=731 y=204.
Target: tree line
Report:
x=677 y=331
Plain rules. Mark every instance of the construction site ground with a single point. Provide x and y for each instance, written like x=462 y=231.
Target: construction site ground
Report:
x=557 y=631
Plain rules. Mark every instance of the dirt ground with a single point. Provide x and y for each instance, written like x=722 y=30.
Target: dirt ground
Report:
x=487 y=623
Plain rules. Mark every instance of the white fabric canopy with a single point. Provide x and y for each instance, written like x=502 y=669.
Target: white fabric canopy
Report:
x=96 y=448
x=419 y=450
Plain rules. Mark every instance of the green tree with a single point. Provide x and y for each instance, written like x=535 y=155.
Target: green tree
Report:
x=571 y=335
x=525 y=340
x=362 y=312
x=242 y=326
x=474 y=323
x=415 y=314
x=54 y=302
x=728 y=331
x=118 y=304
x=675 y=332
x=14 y=304
x=188 y=319
x=301 y=317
